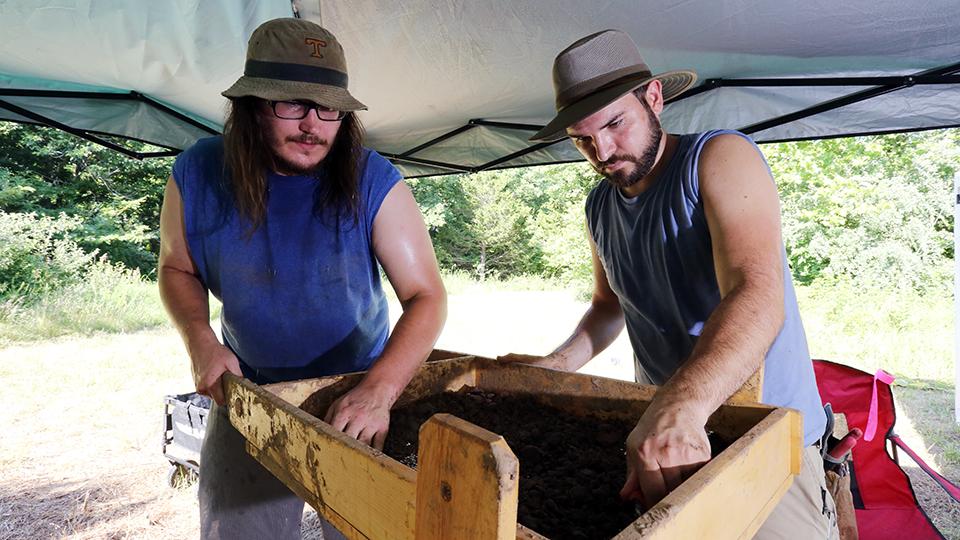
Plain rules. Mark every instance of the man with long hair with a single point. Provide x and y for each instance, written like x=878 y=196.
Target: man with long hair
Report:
x=687 y=254
x=286 y=219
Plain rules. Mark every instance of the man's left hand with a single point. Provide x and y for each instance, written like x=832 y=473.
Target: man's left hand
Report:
x=362 y=413
x=666 y=447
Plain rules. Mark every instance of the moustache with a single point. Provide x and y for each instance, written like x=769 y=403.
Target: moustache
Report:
x=308 y=139
x=613 y=159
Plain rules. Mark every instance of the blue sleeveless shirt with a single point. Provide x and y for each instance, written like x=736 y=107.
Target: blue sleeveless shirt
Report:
x=301 y=297
x=658 y=256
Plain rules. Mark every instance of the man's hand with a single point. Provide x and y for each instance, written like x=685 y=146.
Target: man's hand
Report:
x=548 y=361
x=208 y=368
x=668 y=445
x=362 y=413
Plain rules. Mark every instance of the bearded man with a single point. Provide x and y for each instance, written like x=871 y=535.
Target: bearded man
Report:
x=687 y=253
x=286 y=220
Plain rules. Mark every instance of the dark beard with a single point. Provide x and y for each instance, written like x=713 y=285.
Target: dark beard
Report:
x=285 y=166
x=642 y=165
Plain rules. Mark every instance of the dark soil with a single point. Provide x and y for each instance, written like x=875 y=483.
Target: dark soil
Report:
x=571 y=467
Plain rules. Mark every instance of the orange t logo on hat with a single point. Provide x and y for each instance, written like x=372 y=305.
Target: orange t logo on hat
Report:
x=317 y=43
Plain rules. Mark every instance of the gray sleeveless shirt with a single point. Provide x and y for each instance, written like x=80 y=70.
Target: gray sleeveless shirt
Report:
x=657 y=253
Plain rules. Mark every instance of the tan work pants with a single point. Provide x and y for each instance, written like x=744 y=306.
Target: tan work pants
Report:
x=807 y=510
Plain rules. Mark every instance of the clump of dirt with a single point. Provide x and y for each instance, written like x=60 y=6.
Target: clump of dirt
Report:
x=571 y=467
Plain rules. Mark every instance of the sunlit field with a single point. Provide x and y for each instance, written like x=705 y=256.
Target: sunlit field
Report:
x=81 y=451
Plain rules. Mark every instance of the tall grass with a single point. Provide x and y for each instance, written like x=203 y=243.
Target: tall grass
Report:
x=109 y=299
x=901 y=331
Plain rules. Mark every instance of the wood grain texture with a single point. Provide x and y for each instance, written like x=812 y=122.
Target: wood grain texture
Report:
x=751 y=391
x=467 y=483
x=334 y=473
x=369 y=495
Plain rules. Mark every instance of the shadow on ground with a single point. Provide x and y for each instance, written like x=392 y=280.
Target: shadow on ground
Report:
x=96 y=508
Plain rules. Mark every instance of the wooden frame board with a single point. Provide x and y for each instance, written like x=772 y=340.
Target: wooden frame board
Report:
x=367 y=494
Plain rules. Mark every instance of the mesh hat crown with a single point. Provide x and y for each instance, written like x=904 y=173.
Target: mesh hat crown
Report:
x=292 y=59
x=597 y=70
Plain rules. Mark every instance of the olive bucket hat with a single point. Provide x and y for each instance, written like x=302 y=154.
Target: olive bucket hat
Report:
x=597 y=70
x=291 y=59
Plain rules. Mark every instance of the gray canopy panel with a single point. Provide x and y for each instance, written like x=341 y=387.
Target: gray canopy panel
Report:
x=460 y=85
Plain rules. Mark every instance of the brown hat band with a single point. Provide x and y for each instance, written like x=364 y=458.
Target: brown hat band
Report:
x=295 y=72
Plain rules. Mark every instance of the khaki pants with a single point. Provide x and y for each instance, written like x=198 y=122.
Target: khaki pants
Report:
x=807 y=510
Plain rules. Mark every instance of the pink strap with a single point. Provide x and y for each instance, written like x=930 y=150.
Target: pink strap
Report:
x=871 y=430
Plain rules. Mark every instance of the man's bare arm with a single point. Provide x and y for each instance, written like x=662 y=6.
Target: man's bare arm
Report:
x=743 y=215
x=597 y=329
x=403 y=247
x=186 y=300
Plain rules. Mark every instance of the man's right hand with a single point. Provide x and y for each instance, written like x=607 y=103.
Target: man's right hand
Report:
x=209 y=366
x=667 y=446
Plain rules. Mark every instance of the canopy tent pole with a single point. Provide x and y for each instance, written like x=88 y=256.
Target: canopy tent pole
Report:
x=956 y=297
x=44 y=121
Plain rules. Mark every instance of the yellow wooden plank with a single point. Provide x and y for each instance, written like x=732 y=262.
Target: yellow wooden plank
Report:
x=466 y=482
x=524 y=378
x=767 y=509
x=455 y=374
x=295 y=392
x=524 y=533
x=751 y=391
x=270 y=460
x=369 y=495
x=331 y=471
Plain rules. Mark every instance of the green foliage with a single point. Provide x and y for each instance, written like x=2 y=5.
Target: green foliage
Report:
x=115 y=198
x=874 y=210
x=560 y=224
x=476 y=221
x=510 y=222
x=37 y=255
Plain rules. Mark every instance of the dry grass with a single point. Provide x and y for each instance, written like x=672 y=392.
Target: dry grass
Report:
x=81 y=448
x=924 y=422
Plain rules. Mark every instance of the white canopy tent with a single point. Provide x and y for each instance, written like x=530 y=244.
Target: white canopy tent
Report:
x=459 y=85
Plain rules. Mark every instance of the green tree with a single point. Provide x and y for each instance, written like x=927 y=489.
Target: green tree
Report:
x=876 y=210
x=116 y=198
x=477 y=222
x=511 y=221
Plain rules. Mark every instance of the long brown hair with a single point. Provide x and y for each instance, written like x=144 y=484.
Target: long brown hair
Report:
x=247 y=159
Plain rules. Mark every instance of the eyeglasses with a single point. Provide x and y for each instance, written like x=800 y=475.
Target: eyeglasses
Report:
x=298 y=110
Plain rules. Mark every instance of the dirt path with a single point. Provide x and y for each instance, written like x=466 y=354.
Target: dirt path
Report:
x=81 y=448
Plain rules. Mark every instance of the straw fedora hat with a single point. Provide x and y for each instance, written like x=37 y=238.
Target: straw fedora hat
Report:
x=597 y=70
x=290 y=59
